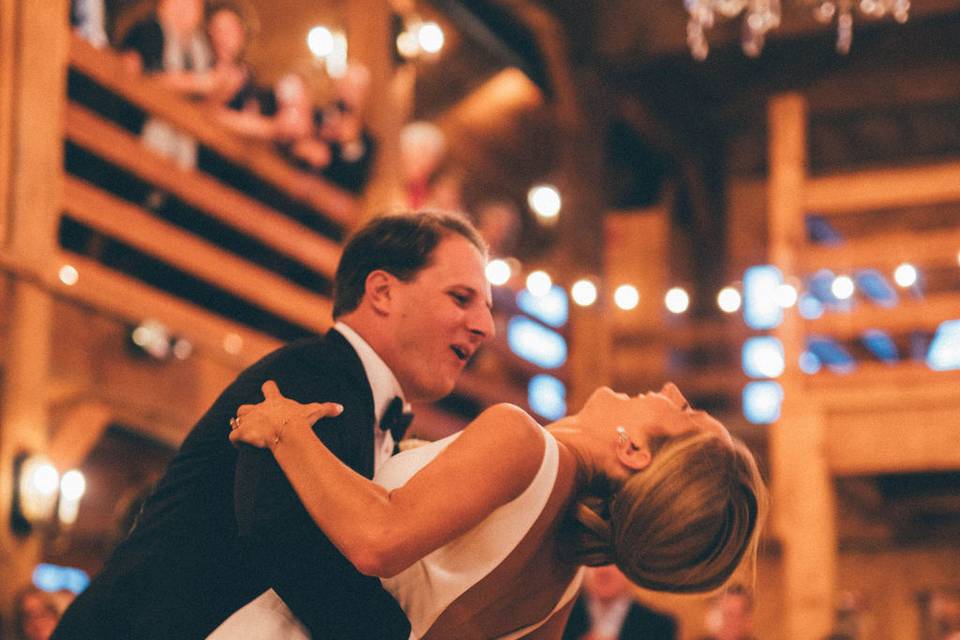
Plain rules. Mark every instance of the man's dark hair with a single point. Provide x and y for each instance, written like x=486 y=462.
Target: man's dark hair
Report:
x=400 y=244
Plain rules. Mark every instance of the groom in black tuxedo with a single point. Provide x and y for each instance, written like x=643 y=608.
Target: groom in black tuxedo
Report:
x=412 y=305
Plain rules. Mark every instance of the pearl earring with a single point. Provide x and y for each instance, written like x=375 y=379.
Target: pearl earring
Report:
x=622 y=435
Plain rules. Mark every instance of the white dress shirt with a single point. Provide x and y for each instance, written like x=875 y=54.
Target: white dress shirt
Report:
x=384 y=385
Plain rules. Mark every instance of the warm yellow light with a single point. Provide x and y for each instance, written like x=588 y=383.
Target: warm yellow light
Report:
x=320 y=41
x=905 y=275
x=728 y=300
x=72 y=487
x=842 y=287
x=69 y=275
x=539 y=283
x=498 y=272
x=430 y=37
x=408 y=45
x=584 y=293
x=232 y=343
x=786 y=295
x=39 y=484
x=545 y=201
x=677 y=300
x=626 y=297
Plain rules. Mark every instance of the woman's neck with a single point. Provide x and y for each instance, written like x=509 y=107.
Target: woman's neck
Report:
x=594 y=459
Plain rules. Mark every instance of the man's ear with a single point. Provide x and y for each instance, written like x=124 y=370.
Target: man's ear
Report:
x=634 y=456
x=378 y=289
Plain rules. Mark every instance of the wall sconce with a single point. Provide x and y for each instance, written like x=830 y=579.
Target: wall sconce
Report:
x=39 y=492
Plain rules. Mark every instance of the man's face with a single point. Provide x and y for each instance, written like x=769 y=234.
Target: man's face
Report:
x=439 y=319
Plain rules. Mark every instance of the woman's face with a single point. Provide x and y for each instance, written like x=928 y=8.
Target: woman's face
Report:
x=648 y=415
x=227 y=35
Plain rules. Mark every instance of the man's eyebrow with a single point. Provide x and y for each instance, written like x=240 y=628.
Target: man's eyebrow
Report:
x=474 y=293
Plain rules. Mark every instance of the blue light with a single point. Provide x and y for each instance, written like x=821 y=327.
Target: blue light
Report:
x=547 y=396
x=761 y=401
x=944 y=352
x=820 y=231
x=809 y=363
x=762 y=357
x=810 y=307
x=51 y=577
x=831 y=354
x=760 y=307
x=876 y=287
x=551 y=308
x=535 y=343
x=820 y=285
x=880 y=345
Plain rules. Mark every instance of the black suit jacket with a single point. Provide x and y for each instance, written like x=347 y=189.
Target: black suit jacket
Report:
x=187 y=565
x=641 y=623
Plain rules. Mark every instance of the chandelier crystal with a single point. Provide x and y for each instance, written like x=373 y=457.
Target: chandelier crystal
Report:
x=762 y=16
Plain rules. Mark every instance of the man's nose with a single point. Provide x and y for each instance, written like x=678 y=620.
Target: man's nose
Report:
x=481 y=323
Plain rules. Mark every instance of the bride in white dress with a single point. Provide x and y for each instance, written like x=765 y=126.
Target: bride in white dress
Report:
x=483 y=534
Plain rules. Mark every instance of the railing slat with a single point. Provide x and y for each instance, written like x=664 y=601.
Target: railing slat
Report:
x=106 y=69
x=185 y=251
x=225 y=204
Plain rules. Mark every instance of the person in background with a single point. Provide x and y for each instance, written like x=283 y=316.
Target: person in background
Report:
x=607 y=610
x=171 y=46
x=341 y=125
x=39 y=611
x=731 y=615
x=235 y=86
x=87 y=21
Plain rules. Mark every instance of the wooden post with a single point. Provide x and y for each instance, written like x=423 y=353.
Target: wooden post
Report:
x=803 y=501
x=7 y=42
x=33 y=194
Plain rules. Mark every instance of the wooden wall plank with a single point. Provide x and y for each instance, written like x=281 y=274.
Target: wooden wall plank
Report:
x=893 y=440
x=924 y=314
x=883 y=189
x=920 y=248
x=185 y=251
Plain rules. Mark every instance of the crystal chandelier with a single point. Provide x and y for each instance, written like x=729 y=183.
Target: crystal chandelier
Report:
x=763 y=16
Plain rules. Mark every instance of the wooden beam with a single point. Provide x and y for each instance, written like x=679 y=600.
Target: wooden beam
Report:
x=920 y=248
x=106 y=69
x=8 y=14
x=923 y=314
x=31 y=104
x=122 y=296
x=802 y=491
x=914 y=438
x=881 y=387
x=883 y=189
x=79 y=432
x=223 y=203
x=189 y=253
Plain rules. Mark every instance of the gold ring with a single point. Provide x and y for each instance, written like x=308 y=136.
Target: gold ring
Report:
x=234 y=424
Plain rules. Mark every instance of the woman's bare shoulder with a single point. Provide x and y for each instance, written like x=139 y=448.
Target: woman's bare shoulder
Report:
x=506 y=424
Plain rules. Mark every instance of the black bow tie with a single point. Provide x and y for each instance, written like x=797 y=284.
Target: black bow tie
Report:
x=395 y=420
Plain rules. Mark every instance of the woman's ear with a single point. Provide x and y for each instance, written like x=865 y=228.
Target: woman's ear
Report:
x=632 y=455
x=378 y=289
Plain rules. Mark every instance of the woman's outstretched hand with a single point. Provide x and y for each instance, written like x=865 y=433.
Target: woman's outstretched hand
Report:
x=261 y=425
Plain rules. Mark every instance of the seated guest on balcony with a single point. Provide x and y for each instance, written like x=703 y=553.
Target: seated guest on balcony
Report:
x=87 y=21
x=341 y=125
x=172 y=47
x=607 y=610
x=294 y=130
x=235 y=87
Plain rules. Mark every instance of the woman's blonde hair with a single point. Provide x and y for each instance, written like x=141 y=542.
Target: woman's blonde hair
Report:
x=681 y=525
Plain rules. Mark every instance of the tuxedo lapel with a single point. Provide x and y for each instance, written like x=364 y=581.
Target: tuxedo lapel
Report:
x=358 y=399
